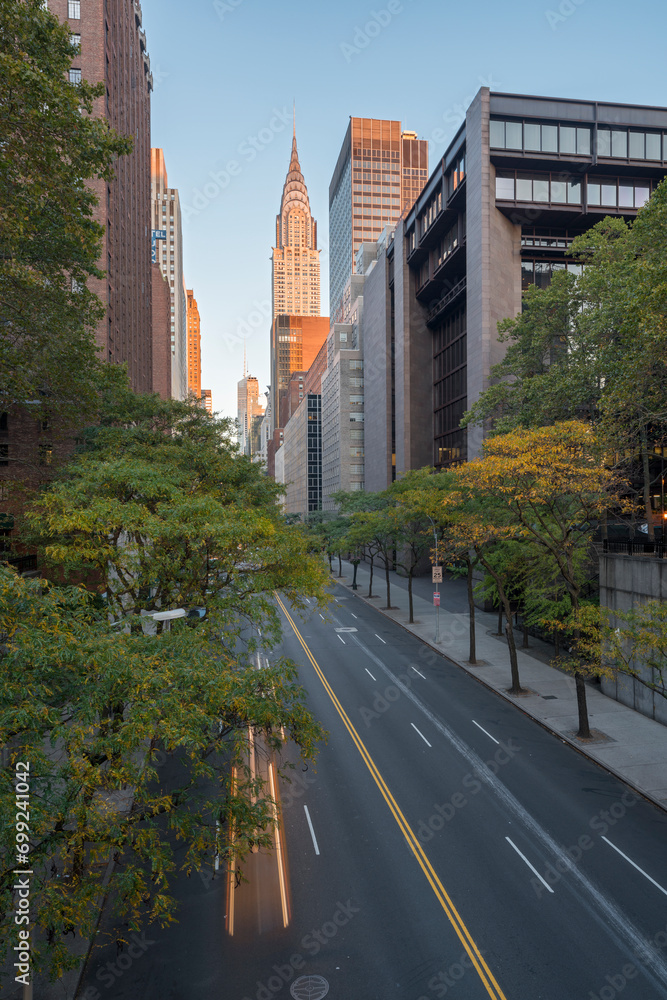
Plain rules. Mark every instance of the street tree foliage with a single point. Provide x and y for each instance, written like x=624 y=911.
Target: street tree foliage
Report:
x=549 y=487
x=634 y=643
x=52 y=148
x=593 y=346
x=158 y=510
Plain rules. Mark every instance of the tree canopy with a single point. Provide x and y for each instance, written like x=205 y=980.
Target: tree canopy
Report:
x=52 y=147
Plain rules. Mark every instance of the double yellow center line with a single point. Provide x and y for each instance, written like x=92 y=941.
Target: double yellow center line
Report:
x=462 y=932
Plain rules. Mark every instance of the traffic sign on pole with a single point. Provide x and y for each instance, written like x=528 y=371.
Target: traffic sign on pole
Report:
x=437 y=574
x=436 y=599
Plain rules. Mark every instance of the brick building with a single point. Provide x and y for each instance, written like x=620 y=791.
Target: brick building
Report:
x=113 y=51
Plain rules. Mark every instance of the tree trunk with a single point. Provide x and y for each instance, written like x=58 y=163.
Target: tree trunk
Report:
x=646 y=475
x=370 y=582
x=525 y=644
x=354 y=578
x=582 y=707
x=412 y=616
x=330 y=563
x=509 y=631
x=471 y=607
x=514 y=664
x=340 y=566
x=386 y=576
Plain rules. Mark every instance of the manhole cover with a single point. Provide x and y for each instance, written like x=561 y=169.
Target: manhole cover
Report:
x=309 y=988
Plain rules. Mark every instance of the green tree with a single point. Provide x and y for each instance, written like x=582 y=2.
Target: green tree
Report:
x=592 y=346
x=161 y=511
x=52 y=147
x=552 y=487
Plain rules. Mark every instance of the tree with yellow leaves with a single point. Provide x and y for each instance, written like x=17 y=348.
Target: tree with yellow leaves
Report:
x=549 y=486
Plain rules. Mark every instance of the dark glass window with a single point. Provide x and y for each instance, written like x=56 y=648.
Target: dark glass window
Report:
x=524 y=188
x=550 y=138
x=527 y=273
x=542 y=273
x=574 y=192
x=541 y=190
x=513 y=135
x=559 y=192
x=609 y=194
x=532 y=137
x=604 y=142
x=505 y=187
x=568 y=139
x=593 y=192
x=619 y=143
x=497 y=134
x=584 y=141
x=637 y=144
x=626 y=196
x=653 y=146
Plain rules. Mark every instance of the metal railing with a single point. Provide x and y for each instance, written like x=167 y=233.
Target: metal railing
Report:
x=632 y=547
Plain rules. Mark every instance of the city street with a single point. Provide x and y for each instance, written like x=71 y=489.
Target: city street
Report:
x=444 y=845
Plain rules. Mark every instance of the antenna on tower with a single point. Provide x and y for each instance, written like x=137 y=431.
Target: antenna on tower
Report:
x=294 y=118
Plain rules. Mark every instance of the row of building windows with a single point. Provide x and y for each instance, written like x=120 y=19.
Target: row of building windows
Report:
x=447 y=245
x=539 y=272
x=605 y=192
x=618 y=143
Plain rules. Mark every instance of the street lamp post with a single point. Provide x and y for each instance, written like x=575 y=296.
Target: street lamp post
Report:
x=436 y=576
x=167 y=617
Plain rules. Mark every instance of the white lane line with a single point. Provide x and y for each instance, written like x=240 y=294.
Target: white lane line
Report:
x=312 y=832
x=533 y=870
x=321 y=616
x=380 y=638
x=652 y=880
x=484 y=731
x=354 y=616
x=418 y=672
x=308 y=600
x=342 y=640
x=421 y=734
x=369 y=673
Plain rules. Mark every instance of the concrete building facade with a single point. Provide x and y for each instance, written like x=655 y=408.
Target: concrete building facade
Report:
x=523 y=176
x=167 y=235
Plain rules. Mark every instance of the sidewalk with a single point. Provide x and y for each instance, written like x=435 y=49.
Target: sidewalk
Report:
x=630 y=745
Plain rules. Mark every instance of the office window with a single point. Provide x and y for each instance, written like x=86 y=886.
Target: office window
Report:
x=549 y=138
x=76 y=40
x=75 y=76
x=653 y=143
x=533 y=140
x=74 y=9
x=584 y=141
x=505 y=187
x=513 y=135
x=568 y=139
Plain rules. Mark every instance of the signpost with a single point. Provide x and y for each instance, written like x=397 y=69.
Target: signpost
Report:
x=437 y=580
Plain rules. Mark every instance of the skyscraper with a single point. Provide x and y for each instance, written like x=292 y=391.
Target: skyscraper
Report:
x=379 y=174
x=194 y=345
x=249 y=408
x=297 y=331
x=167 y=237
x=113 y=51
x=295 y=259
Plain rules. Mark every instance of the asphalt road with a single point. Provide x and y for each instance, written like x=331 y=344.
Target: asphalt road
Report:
x=445 y=845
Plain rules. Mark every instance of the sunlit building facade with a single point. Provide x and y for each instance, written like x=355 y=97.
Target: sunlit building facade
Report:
x=194 y=344
x=168 y=252
x=379 y=174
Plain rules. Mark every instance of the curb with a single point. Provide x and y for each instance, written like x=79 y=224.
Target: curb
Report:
x=501 y=694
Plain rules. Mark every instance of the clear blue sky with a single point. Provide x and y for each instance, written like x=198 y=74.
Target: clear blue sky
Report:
x=228 y=70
